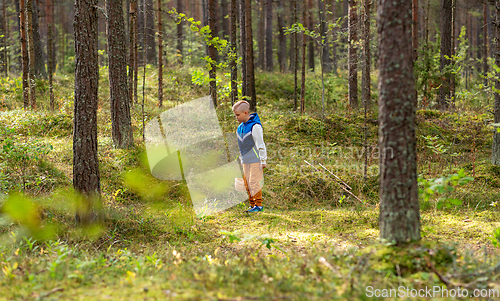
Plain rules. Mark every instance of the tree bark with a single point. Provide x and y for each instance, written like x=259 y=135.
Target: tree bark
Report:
x=335 y=37
x=261 y=63
x=3 y=38
x=399 y=206
x=31 y=53
x=243 y=48
x=86 y=178
x=495 y=156
x=485 y=42
x=160 y=56
x=121 y=126
x=281 y=36
x=295 y=57
x=50 y=51
x=24 y=54
x=132 y=49
x=444 y=90
x=269 y=35
x=212 y=51
x=414 y=32
x=234 y=54
x=225 y=23
x=353 y=55
x=40 y=70
x=150 y=33
x=325 y=55
x=180 y=34
x=366 y=80
x=310 y=41
x=249 y=56
x=303 y=83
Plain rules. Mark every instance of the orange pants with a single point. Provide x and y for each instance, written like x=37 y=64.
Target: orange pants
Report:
x=252 y=175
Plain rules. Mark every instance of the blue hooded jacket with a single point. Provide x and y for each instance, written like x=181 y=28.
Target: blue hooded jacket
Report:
x=248 y=152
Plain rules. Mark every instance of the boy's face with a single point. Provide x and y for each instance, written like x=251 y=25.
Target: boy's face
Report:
x=241 y=115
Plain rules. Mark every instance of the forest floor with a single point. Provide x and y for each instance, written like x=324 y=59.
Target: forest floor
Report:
x=312 y=241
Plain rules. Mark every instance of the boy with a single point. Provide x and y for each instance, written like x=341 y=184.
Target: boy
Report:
x=253 y=153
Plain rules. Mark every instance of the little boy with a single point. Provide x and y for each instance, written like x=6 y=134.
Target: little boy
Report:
x=253 y=153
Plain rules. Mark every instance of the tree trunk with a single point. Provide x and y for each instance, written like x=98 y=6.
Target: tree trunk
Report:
x=325 y=55
x=485 y=42
x=261 y=37
x=444 y=90
x=399 y=206
x=3 y=38
x=234 y=54
x=281 y=36
x=225 y=23
x=249 y=56
x=40 y=70
x=295 y=57
x=150 y=33
x=160 y=56
x=31 y=53
x=353 y=55
x=414 y=32
x=310 y=41
x=119 y=105
x=132 y=62
x=243 y=48
x=335 y=37
x=141 y=23
x=366 y=80
x=86 y=179
x=211 y=51
x=304 y=44
x=495 y=156
x=50 y=51
x=24 y=54
x=180 y=34
x=269 y=35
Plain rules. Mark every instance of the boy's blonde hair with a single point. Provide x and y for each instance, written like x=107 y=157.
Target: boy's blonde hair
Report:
x=245 y=106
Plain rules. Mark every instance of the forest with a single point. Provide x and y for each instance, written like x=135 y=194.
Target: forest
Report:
x=122 y=133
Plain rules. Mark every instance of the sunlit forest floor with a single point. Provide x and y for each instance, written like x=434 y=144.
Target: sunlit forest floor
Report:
x=312 y=242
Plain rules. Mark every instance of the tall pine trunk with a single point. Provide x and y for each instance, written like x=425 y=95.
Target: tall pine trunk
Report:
x=121 y=126
x=3 y=38
x=399 y=206
x=414 y=32
x=335 y=37
x=295 y=57
x=303 y=83
x=180 y=34
x=310 y=41
x=150 y=33
x=485 y=42
x=325 y=55
x=353 y=55
x=24 y=54
x=40 y=70
x=261 y=62
x=31 y=53
x=234 y=54
x=249 y=56
x=160 y=56
x=366 y=81
x=132 y=69
x=243 y=48
x=86 y=178
x=495 y=156
x=269 y=35
x=444 y=90
x=281 y=36
x=50 y=51
x=212 y=51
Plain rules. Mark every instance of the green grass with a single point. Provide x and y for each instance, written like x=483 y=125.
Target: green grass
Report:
x=312 y=242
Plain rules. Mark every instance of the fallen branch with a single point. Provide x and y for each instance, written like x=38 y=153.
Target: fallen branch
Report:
x=341 y=186
x=336 y=176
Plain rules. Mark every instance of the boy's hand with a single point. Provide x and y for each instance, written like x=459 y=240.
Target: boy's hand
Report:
x=262 y=166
